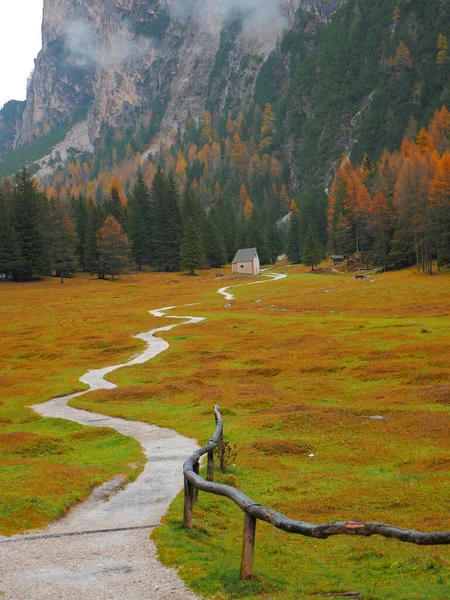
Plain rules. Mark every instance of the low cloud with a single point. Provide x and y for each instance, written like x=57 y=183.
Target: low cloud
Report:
x=259 y=18
x=82 y=41
x=257 y=15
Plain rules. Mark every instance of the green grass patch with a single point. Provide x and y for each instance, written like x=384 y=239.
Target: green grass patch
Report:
x=308 y=373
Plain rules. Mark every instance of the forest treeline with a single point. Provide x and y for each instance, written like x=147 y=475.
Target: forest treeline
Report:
x=156 y=226
x=225 y=191
x=395 y=210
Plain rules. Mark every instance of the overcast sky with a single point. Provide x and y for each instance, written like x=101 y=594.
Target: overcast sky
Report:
x=20 y=42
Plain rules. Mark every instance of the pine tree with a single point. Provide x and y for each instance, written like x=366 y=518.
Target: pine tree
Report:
x=224 y=217
x=255 y=236
x=311 y=254
x=192 y=255
x=30 y=216
x=312 y=205
x=113 y=205
x=167 y=227
x=114 y=253
x=140 y=222
x=381 y=228
x=274 y=242
x=94 y=222
x=402 y=250
x=10 y=258
x=192 y=208
x=216 y=252
x=63 y=243
x=79 y=209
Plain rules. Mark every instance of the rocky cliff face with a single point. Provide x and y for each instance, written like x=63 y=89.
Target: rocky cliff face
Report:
x=10 y=123
x=147 y=65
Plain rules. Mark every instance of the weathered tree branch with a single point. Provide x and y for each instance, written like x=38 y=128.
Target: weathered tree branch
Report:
x=278 y=520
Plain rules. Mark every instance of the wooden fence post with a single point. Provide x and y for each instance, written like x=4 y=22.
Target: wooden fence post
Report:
x=248 y=550
x=210 y=476
x=188 y=504
x=195 y=490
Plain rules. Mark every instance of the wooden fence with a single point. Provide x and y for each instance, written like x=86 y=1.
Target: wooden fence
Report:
x=254 y=511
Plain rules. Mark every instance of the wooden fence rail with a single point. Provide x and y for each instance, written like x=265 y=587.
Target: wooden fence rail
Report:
x=254 y=511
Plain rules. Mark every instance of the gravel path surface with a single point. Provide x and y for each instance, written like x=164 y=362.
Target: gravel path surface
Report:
x=274 y=276
x=101 y=550
x=120 y=562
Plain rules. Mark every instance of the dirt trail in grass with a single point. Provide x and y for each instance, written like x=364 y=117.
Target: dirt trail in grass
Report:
x=101 y=549
x=118 y=560
x=224 y=291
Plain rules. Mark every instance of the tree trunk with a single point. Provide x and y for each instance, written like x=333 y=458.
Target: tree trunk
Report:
x=416 y=248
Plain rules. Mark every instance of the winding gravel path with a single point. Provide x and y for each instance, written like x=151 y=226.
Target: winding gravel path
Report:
x=117 y=559
x=274 y=276
x=101 y=550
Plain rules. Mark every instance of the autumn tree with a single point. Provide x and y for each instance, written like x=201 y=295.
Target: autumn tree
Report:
x=268 y=127
x=180 y=170
x=440 y=207
x=412 y=203
x=114 y=252
x=207 y=131
x=239 y=158
x=442 y=46
x=440 y=130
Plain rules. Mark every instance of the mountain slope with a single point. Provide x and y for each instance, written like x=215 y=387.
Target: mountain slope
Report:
x=146 y=65
x=356 y=85
x=344 y=77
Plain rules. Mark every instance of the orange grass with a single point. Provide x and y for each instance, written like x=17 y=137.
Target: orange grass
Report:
x=307 y=367
x=50 y=334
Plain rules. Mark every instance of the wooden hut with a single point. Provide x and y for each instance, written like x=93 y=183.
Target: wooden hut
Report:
x=246 y=262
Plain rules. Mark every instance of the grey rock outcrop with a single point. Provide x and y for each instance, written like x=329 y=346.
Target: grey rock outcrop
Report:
x=147 y=65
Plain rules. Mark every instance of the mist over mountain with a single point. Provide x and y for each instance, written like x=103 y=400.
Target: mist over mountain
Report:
x=331 y=70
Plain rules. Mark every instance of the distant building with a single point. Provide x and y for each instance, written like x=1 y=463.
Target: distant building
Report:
x=246 y=261
x=338 y=259
x=284 y=222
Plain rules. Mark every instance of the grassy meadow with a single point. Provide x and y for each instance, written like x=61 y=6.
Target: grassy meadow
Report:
x=50 y=334
x=299 y=366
